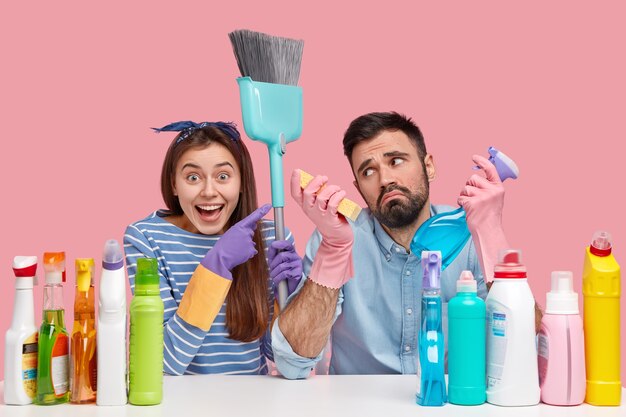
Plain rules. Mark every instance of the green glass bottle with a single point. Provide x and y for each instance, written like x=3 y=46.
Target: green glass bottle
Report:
x=53 y=357
x=146 y=336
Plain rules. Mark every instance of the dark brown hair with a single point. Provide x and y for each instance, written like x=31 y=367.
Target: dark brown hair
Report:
x=247 y=309
x=370 y=125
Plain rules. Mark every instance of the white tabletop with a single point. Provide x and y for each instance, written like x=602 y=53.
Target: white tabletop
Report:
x=320 y=396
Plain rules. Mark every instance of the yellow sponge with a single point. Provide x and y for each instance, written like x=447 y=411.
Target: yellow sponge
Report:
x=348 y=208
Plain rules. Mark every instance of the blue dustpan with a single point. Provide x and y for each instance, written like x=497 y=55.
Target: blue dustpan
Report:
x=272 y=114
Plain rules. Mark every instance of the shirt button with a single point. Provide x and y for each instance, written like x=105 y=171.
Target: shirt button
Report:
x=409 y=311
x=407 y=348
x=398 y=250
x=407 y=273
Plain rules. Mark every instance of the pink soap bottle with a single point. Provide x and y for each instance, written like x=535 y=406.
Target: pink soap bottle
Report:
x=561 y=345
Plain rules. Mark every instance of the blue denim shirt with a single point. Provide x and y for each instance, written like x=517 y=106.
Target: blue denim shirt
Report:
x=377 y=318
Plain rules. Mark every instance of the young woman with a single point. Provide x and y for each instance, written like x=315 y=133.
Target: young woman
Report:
x=218 y=261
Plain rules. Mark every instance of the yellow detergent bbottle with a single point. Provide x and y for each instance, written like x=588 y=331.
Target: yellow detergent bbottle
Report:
x=601 y=291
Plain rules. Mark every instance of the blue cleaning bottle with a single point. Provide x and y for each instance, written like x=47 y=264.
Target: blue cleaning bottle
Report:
x=431 y=387
x=466 y=344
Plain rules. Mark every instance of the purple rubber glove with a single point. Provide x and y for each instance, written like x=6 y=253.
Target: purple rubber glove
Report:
x=235 y=246
x=483 y=199
x=285 y=264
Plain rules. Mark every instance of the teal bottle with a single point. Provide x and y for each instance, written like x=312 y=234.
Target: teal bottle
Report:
x=466 y=344
x=145 y=386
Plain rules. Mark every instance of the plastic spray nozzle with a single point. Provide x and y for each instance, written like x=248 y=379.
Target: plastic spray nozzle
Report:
x=562 y=299
x=84 y=273
x=431 y=264
x=506 y=167
x=601 y=243
x=112 y=258
x=147 y=274
x=54 y=267
x=509 y=264
x=466 y=282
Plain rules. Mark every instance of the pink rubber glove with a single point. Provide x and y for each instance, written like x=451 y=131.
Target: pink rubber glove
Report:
x=332 y=266
x=483 y=199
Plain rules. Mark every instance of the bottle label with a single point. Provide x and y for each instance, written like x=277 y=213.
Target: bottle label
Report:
x=59 y=365
x=496 y=345
x=543 y=350
x=29 y=365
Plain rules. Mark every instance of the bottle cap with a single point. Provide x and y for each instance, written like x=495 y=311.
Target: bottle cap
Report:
x=147 y=274
x=25 y=267
x=466 y=282
x=601 y=243
x=509 y=265
x=54 y=267
x=562 y=299
x=112 y=258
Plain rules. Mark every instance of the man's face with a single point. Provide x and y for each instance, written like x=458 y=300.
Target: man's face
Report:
x=391 y=177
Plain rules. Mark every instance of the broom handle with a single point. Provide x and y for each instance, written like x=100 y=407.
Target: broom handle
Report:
x=279 y=227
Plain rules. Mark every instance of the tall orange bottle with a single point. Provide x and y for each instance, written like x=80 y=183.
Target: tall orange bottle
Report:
x=84 y=359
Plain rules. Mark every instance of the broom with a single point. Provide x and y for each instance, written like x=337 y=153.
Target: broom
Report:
x=271 y=105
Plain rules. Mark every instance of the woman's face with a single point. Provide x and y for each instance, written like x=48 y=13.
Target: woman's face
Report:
x=207 y=183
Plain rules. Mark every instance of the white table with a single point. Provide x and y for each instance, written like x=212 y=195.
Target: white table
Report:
x=320 y=396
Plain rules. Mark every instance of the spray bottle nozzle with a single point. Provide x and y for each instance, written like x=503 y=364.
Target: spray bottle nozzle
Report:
x=506 y=167
x=431 y=264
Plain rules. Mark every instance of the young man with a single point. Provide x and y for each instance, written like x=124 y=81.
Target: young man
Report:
x=365 y=291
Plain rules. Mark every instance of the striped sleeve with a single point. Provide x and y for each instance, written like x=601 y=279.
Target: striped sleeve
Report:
x=181 y=339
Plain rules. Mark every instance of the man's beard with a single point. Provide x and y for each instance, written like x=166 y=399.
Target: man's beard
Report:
x=398 y=213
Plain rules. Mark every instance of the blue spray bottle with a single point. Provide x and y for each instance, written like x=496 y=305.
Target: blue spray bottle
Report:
x=431 y=387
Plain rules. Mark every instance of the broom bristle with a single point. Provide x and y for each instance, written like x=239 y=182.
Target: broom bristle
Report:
x=267 y=58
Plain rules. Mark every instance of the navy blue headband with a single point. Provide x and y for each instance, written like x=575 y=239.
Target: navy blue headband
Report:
x=188 y=127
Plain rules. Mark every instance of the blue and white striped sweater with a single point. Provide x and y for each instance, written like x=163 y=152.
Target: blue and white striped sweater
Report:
x=188 y=349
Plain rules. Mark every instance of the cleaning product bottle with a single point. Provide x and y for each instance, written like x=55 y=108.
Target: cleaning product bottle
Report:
x=146 y=336
x=53 y=356
x=601 y=301
x=561 y=345
x=431 y=388
x=466 y=344
x=83 y=363
x=512 y=375
x=111 y=334
x=20 y=343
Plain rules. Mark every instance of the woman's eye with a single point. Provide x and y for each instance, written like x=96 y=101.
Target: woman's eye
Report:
x=223 y=176
x=192 y=177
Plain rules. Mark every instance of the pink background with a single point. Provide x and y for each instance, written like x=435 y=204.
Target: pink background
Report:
x=81 y=86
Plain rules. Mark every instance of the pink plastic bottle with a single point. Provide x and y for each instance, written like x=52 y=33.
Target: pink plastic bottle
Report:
x=561 y=346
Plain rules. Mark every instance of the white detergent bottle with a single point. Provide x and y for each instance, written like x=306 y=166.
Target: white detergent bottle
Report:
x=512 y=372
x=20 y=350
x=111 y=336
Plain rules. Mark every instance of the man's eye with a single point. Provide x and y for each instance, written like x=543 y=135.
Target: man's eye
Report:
x=367 y=172
x=397 y=161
